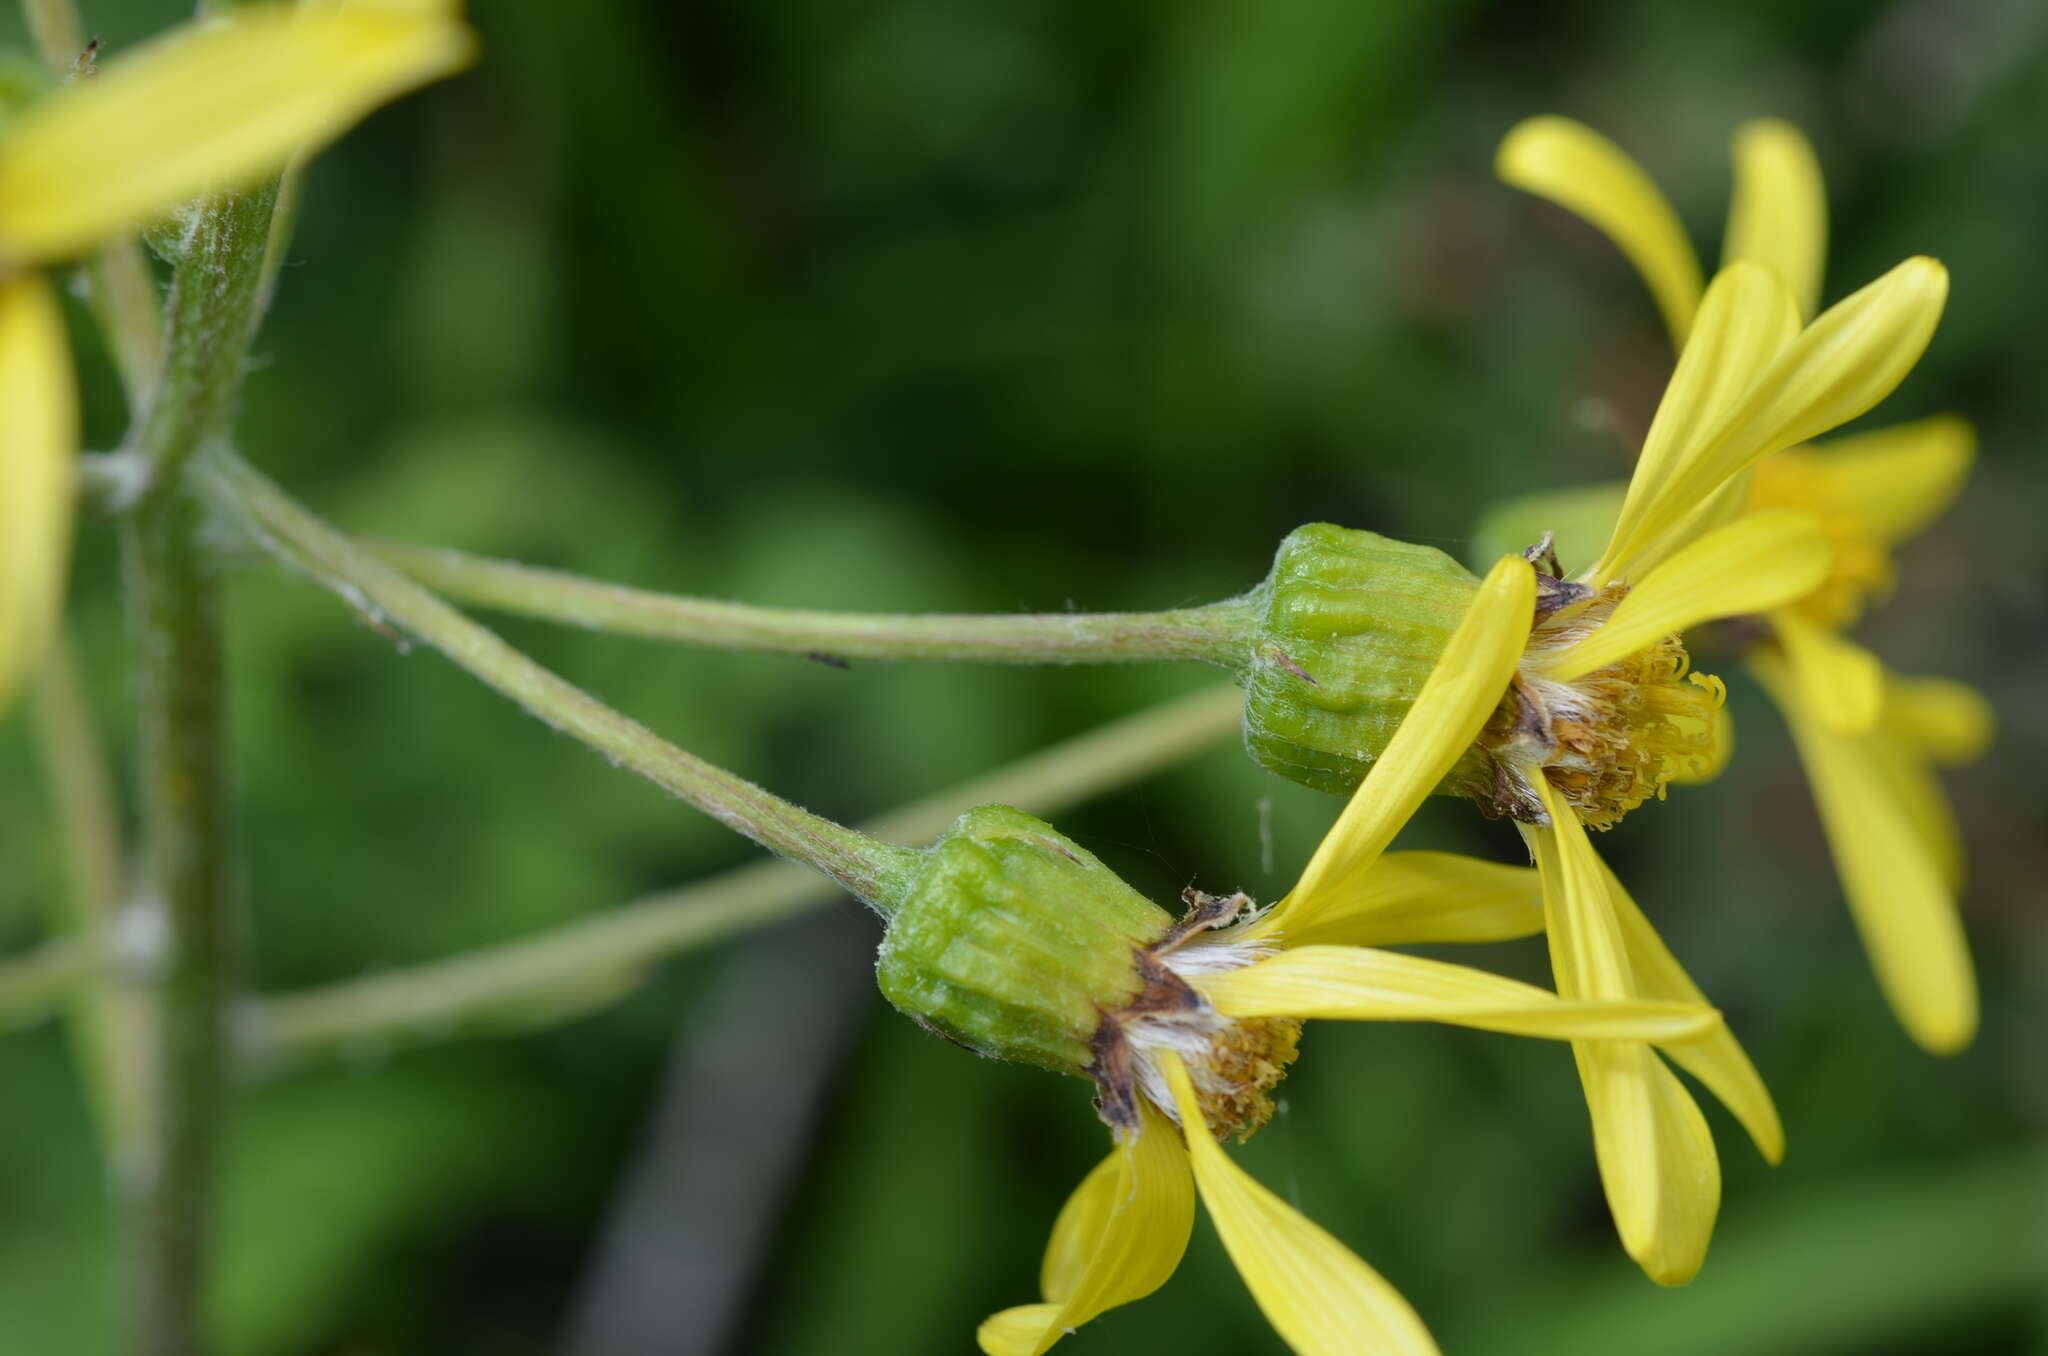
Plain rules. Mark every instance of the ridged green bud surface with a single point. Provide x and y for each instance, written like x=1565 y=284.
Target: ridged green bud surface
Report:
x=1353 y=624
x=1013 y=940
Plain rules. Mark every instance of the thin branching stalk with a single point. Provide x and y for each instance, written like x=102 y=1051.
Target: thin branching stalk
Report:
x=110 y=1022
x=576 y=967
x=35 y=984
x=1217 y=633
x=859 y=863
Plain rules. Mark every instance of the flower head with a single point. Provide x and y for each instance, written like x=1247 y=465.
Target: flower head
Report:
x=1885 y=817
x=209 y=106
x=1004 y=931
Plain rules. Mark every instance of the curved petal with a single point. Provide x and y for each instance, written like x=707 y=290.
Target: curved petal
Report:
x=1910 y=782
x=1779 y=216
x=212 y=105
x=1715 y=1057
x=38 y=444
x=1758 y=562
x=1656 y=1156
x=1585 y=173
x=1317 y=1294
x=1361 y=984
x=1746 y=322
x=1843 y=682
x=1840 y=366
x=1412 y=897
x=1946 y=721
x=1897 y=480
x=1903 y=908
x=1461 y=691
x=1118 y=1238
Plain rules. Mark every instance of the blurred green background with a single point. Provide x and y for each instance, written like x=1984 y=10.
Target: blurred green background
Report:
x=911 y=304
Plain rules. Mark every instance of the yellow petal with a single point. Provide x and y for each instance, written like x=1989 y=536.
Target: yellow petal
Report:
x=1656 y=1155
x=1897 y=480
x=1317 y=1294
x=1583 y=172
x=1758 y=562
x=1461 y=691
x=210 y=106
x=1118 y=1238
x=1406 y=898
x=1945 y=721
x=1715 y=1057
x=1779 y=217
x=1843 y=682
x=1746 y=322
x=1902 y=907
x=1656 y=1158
x=1361 y=984
x=1910 y=781
x=1838 y=367
x=38 y=444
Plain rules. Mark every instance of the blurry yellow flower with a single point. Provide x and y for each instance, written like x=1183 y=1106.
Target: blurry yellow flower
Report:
x=1194 y=1056
x=210 y=106
x=1887 y=821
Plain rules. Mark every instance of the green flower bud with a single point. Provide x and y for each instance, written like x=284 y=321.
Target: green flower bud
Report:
x=1353 y=623
x=1014 y=940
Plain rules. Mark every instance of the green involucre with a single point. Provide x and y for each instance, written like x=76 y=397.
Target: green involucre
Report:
x=1013 y=940
x=1353 y=623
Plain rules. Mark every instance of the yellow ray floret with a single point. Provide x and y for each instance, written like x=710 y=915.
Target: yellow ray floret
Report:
x=1656 y=1155
x=1118 y=1239
x=1779 y=214
x=38 y=437
x=1317 y=1294
x=1410 y=898
x=1845 y=362
x=210 y=106
x=1888 y=847
x=1584 y=172
x=1357 y=984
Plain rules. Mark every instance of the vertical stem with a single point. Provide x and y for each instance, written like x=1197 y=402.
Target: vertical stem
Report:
x=174 y=619
x=175 y=631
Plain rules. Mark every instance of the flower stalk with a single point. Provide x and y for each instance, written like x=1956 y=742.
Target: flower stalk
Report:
x=575 y=967
x=863 y=865
x=109 y=1021
x=1214 y=634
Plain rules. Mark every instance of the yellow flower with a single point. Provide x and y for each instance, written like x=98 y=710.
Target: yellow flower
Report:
x=210 y=106
x=1601 y=713
x=1193 y=1056
x=1859 y=730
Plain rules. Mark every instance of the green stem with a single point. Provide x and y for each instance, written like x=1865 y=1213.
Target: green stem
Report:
x=213 y=316
x=173 y=611
x=110 y=1023
x=1217 y=634
x=859 y=863
x=575 y=967
x=36 y=984
x=173 y=603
